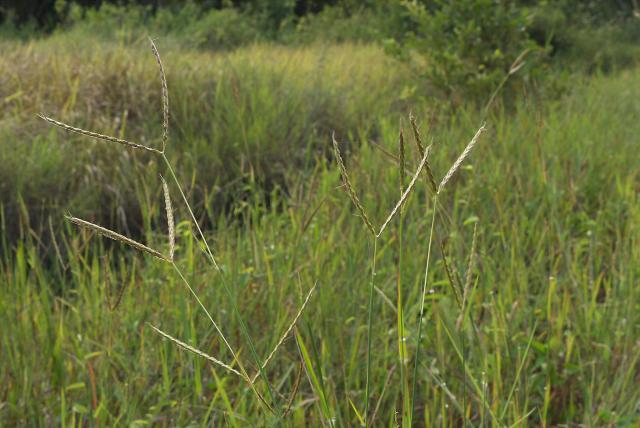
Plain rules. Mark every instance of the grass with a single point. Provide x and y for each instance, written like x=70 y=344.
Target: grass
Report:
x=547 y=203
x=240 y=120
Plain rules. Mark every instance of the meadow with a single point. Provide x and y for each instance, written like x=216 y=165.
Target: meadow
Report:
x=510 y=299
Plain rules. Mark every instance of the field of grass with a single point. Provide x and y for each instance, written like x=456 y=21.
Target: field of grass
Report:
x=250 y=116
x=537 y=234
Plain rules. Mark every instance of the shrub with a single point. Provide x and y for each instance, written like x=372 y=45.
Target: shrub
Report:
x=213 y=29
x=581 y=36
x=464 y=48
x=362 y=22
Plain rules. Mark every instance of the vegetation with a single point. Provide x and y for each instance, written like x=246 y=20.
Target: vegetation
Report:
x=503 y=293
x=462 y=50
x=262 y=114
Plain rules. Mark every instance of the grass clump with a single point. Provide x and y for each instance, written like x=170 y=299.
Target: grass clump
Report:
x=170 y=258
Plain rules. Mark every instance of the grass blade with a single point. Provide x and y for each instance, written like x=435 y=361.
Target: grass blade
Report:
x=520 y=367
x=315 y=381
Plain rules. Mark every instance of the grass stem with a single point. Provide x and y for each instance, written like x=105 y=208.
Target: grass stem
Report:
x=226 y=288
x=421 y=313
x=369 y=328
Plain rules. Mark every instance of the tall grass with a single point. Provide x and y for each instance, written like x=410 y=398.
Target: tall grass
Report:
x=241 y=121
x=260 y=365
x=532 y=320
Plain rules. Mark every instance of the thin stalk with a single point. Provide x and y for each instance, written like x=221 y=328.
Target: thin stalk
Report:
x=402 y=349
x=464 y=376
x=421 y=314
x=369 y=324
x=462 y=315
x=225 y=286
x=245 y=375
x=215 y=325
x=399 y=303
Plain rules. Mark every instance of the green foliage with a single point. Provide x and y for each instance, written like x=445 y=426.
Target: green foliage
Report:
x=276 y=12
x=351 y=21
x=214 y=29
x=332 y=25
x=188 y=24
x=584 y=37
x=464 y=48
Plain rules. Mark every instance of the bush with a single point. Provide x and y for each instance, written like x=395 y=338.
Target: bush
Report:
x=188 y=25
x=362 y=23
x=465 y=48
x=582 y=37
x=213 y=29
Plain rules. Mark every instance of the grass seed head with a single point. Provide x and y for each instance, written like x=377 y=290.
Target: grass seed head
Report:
x=196 y=351
x=170 y=221
x=406 y=192
x=421 y=149
x=96 y=134
x=456 y=165
x=349 y=186
x=117 y=237
x=165 y=96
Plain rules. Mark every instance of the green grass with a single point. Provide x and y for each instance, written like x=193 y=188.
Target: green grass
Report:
x=551 y=322
x=240 y=120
